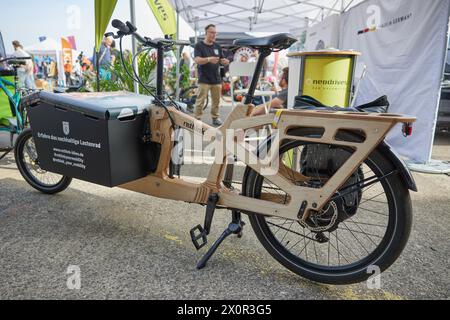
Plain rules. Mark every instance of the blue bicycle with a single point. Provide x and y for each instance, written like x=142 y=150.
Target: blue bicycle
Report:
x=13 y=120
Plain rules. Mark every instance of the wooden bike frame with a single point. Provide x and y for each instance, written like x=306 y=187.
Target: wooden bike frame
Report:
x=301 y=200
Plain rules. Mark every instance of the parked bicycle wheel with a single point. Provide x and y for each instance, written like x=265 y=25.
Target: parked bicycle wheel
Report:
x=28 y=163
x=368 y=227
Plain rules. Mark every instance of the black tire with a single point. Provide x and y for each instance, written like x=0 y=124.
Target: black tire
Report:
x=383 y=256
x=24 y=148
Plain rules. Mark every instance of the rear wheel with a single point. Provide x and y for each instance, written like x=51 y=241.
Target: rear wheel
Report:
x=28 y=163
x=354 y=235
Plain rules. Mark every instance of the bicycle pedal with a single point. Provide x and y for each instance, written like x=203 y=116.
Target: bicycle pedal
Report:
x=197 y=236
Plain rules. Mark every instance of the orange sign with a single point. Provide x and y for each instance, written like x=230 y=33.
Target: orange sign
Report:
x=67 y=58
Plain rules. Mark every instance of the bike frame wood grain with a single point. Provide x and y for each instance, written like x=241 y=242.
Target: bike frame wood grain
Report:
x=374 y=126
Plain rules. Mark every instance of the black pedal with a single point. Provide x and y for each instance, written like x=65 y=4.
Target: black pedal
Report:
x=233 y=228
x=197 y=236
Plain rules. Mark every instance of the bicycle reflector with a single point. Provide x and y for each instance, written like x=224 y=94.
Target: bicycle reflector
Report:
x=407 y=129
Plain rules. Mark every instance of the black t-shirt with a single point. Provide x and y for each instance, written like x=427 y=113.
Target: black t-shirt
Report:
x=208 y=73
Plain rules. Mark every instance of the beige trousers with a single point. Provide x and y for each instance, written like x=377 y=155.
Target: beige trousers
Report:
x=202 y=94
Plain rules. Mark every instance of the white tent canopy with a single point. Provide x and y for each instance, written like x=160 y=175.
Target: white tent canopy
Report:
x=49 y=47
x=258 y=15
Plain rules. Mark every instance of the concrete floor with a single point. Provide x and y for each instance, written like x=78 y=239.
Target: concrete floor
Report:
x=130 y=246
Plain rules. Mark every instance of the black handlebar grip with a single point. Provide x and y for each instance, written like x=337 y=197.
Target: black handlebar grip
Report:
x=131 y=26
x=120 y=26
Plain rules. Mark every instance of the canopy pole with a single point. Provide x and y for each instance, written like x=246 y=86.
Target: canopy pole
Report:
x=98 y=68
x=133 y=44
x=178 y=58
x=196 y=30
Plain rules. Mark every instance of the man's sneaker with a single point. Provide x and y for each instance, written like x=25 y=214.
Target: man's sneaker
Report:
x=217 y=122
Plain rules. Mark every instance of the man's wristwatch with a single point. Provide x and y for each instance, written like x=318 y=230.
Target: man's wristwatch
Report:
x=207 y=59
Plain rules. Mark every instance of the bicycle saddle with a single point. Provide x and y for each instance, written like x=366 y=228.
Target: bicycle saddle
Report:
x=277 y=41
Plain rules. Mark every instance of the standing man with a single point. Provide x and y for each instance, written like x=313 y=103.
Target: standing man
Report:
x=208 y=57
x=105 y=58
x=25 y=73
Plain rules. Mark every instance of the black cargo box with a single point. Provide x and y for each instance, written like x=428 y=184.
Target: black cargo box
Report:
x=96 y=137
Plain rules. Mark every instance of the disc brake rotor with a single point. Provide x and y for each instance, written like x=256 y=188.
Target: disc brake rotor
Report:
x=324 y=220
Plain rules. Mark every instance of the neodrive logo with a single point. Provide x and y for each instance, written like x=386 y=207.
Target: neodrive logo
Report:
x=329 y=84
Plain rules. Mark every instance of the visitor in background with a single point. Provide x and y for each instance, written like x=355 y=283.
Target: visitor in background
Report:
x=208 y=57
x=25 y=73
x=115 y=54
x=105 y=59
x=185 y=60
x=115 y=58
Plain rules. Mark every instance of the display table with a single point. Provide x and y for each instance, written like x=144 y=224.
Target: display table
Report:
x=327 y=76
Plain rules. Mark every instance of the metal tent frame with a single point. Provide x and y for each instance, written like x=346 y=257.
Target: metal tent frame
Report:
x=258 y=15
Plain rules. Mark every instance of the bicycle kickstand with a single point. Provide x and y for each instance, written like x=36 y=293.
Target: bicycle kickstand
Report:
x=199 y=234
x=235 y=227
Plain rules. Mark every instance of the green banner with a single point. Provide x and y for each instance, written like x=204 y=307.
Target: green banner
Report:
x=103 y=12
x=5 y=109
x=328 y=79
x=165 y=15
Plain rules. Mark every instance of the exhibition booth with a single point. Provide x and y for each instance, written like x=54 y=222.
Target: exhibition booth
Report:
x=321 y=173
x=51 y=51
x=403 y=46
x=373 y=48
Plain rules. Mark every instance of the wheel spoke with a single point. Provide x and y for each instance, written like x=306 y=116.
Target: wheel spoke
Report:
x=371 y=199
x=368 y=234
x=29 y=159
x=290 y=227
x=329 y=245
x=378 y=213
x=315 y=252
x=346 y=247
x=362 y=232
x=366 y=224
x=357 y=232
x=356 y=238
x=296 y=233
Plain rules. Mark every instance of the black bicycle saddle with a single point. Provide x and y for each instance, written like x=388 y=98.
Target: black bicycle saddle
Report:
x=277 y=41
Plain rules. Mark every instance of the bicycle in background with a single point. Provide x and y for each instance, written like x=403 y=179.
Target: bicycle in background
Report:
x=14 y=120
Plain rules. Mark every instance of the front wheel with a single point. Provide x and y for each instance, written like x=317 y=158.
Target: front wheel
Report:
x=28 y=163
x=354 y=235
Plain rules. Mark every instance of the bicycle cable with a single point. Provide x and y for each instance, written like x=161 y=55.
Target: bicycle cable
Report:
x=174 y=103
x=147 y=87
x=161 y=103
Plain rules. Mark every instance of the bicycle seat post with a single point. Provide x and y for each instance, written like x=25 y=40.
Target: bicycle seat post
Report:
x=263 y=54
x=16 y=78
x=160 y=73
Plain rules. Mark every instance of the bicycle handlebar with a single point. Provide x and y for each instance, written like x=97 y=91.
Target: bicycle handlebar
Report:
x=121 y=26
x=15 y=58
x=128 y=28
